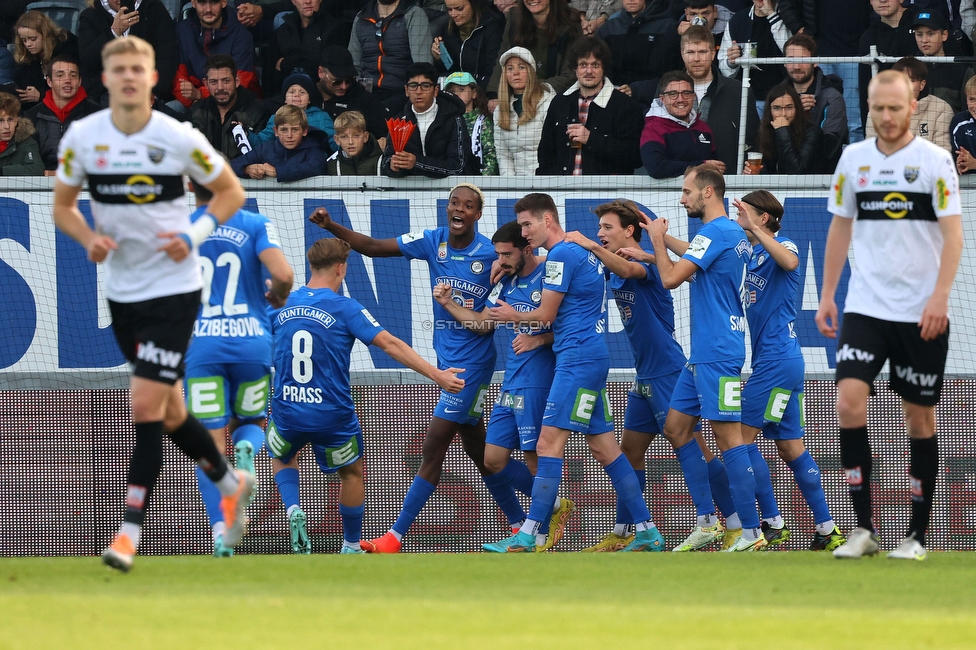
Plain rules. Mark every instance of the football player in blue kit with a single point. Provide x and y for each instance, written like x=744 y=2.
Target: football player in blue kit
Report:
x=647 y=313
x=709 y=386
x=228 y=365
x=462 y=257
x=312 y=403
x=772 y=399
x=516 y=418
x=574 y=301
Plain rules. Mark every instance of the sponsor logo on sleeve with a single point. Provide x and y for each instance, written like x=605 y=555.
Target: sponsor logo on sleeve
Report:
x=942 y=194
x=554 y=273
x=698 y=246
x=202 y=160
x=410 y=237
x=369 y=317
x=839 y=190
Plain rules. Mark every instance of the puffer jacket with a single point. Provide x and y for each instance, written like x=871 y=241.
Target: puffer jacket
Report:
x=518 y=149
x=476 y=54
x=304 y=161
x=405 y=39
x=22 y=157
x=364 y=163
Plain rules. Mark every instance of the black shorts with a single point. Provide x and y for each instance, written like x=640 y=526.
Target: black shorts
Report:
x=917 y=366
x=154 y=334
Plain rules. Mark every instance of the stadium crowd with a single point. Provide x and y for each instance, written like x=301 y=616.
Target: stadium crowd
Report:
x=292 y=89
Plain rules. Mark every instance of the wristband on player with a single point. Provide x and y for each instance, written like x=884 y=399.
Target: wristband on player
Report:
x=199 y=231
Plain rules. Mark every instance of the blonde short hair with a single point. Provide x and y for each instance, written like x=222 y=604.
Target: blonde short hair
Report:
x=349 y=121
x=289 y=114
x=128 y=45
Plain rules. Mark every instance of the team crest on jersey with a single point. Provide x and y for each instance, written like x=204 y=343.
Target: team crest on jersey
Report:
x=477 y=267
x=536 y=297
x=911 y=174
x=442 y=251
x=156 y=154
x=863 y=175
x=760 y=260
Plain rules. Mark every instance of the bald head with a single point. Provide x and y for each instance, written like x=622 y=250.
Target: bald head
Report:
x=889 y=78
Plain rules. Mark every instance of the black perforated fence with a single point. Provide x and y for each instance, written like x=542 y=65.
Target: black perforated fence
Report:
x=63 y=456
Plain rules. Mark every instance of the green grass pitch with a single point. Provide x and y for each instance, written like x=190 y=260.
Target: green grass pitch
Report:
x=559 y=600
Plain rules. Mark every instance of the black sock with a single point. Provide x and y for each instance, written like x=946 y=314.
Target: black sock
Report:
x=144 y=467
x=855 y=456
x=193 y=439
x=923 y=472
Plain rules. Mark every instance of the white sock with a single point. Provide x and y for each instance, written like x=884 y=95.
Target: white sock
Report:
x=290 y=510
x=555 y=504
x=641 y=526
x=775 y=522
x=540 y=539
x=530 y=527
x=228 y=483
x=732 y=521
x=620 y=530
x=355 y=547
x=826 y=527
x=398 y=536
x=706 y=521
x=134 y=532
x=751 y=534
x=219 y=529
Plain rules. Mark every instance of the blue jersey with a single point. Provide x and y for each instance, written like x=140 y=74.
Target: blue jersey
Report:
x=233 y=324
x=582 y=318
x=533 y=369
x=647 y=312
x=467 y=271
x=313 y=338
x=720 y=250
x=772 y=305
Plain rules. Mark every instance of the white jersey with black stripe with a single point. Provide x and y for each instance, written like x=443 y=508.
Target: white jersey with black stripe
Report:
x=138 y=191
x=897 y=201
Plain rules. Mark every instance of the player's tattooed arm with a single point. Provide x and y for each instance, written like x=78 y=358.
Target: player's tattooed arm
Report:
x=360 y=243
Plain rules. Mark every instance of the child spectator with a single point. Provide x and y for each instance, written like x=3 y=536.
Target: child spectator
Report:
x=962 y=131
x=478 y=120
x=299 y=90
x=297 y=152
x=358 y=154
x=19 y=155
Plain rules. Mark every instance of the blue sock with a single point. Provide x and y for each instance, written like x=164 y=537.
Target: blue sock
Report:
x=628 y=490
x=519 y=476
x=807 y=476
x=742 y=484
x=623 y=515
x=504 y=494
x=545 y=488
x=253 y=434
x=764 y=484
x=287 y=480
x=352 y=523
x=417 y=496
x=211 y=497
x=718 y=481
x=696 y=477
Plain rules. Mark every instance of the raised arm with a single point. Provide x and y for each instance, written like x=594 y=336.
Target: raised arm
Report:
x=672 y=273
x=360 y=243
x=783 y=256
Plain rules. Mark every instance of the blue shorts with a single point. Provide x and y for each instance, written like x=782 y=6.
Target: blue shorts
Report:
x=516 y=418
x=772 y=399
x=648 y=402
x=217 y=391
x=710 y=390
x=334 y=448
x=578 y=398
x=468 y=406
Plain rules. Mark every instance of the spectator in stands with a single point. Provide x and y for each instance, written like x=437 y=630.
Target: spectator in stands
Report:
x=523 y=102
x=789 y=141
x=674 y=137
x=388 y=36
x=716 y=18
x=19 y=155
x=298 y=90
x=760 y=24
x=105 y=20
x=306 y=33
x=478 y=120
x=297 y=152
x=504 y=5
x=591 y=128
x=933 y=115
x=209 y=29
x=719 y=97
x=594 y=13
x=230 y=114
x=64 y=103
x=546 y=28
x=439 y=145
x=38 y=40
x=821 y=96
x=962 y=132
x=10 y=11
x=8 y=67
x=837 y=27
x=357 y=153
x=341 y=92
x=469 y=41
x=644 y=44
x=945 y=80
x=893 y=37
